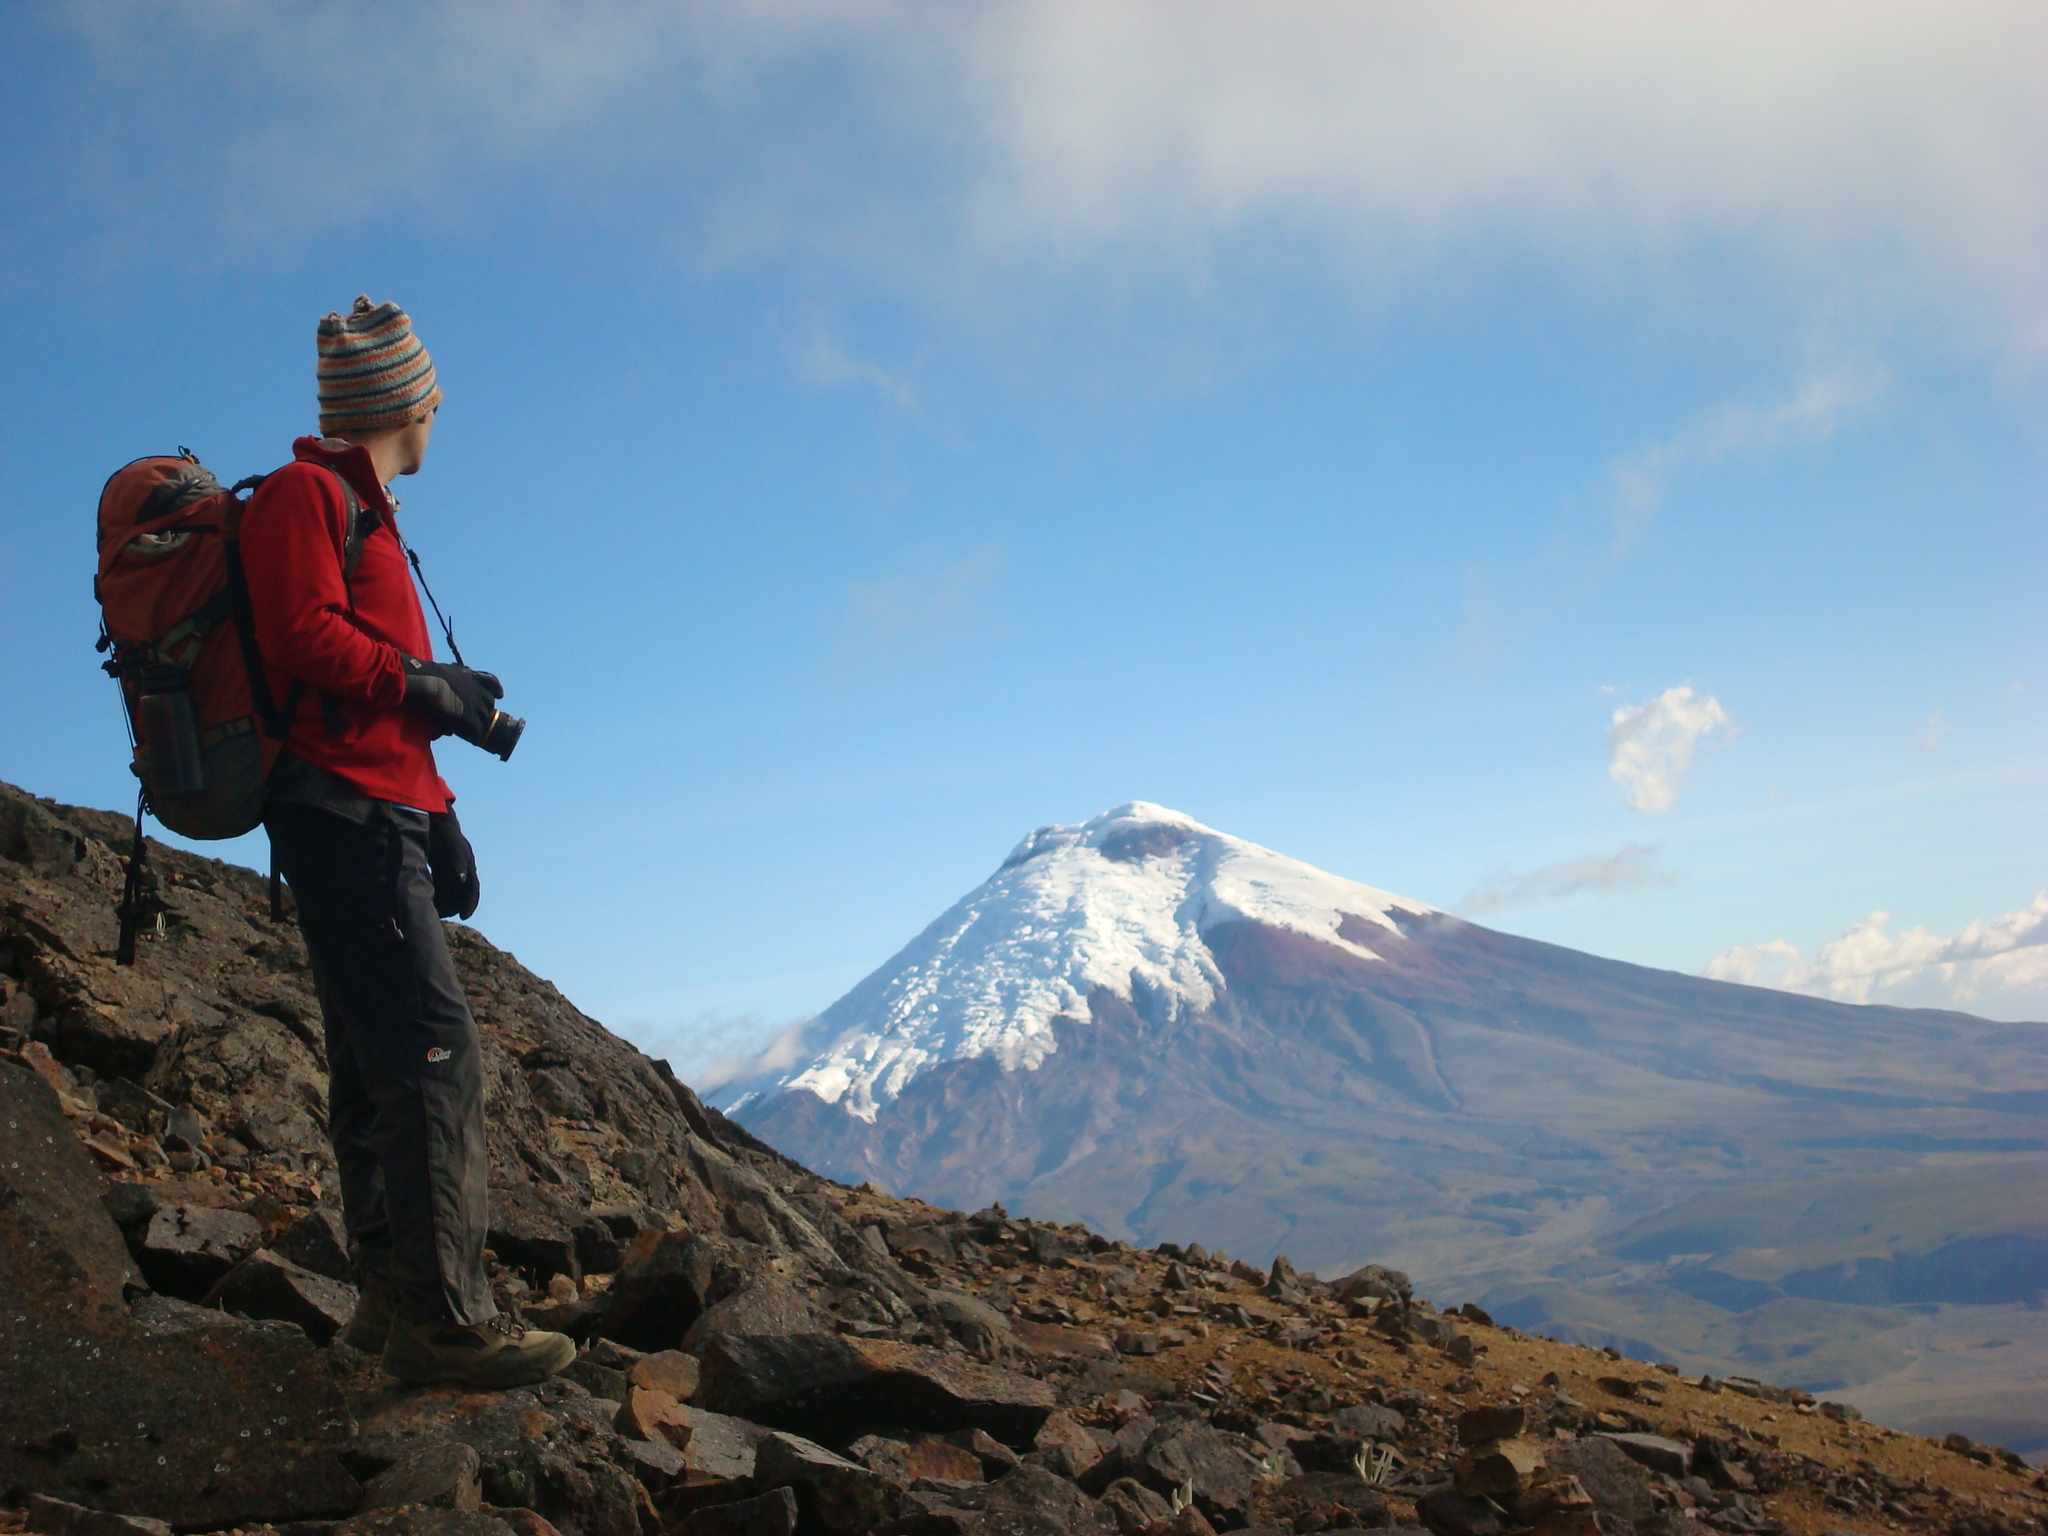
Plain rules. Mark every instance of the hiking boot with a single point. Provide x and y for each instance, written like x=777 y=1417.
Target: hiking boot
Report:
x=371 y=1326
x=501 y=1352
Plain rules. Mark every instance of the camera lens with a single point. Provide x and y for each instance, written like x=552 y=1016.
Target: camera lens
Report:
x=503 y=735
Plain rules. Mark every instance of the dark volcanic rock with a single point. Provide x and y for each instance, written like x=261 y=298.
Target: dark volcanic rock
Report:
x=831 y=1492
x=441 y=1474
x=54 y=1517
x=423 y=1520
x=765 y=1305
x=549 y=1448
x=319 y=1242
x=832 y=1387
x=188 y=1249
x=236 y=1422
x=265 y=1285
x=1447 y=1512
x=656 y=1297
x=770 y=1514
x=1224 y=1468
x=1616 y=1484
x=1033 y=1502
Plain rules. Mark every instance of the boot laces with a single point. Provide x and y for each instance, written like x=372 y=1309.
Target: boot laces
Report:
x=507 y=1324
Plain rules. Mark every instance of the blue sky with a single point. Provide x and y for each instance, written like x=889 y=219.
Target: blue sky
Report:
x=874 y=431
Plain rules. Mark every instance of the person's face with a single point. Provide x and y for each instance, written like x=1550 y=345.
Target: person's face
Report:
x=412 y=443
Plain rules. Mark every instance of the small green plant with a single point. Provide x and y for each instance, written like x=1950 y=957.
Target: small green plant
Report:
x=1184 y=1496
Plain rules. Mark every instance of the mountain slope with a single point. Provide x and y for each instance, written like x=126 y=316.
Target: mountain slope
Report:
x=1150 y=1026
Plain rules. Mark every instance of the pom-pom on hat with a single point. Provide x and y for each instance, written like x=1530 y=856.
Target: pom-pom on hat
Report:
x=373 y=370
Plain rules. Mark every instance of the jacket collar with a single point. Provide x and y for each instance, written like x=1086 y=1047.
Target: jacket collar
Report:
x=352 y=462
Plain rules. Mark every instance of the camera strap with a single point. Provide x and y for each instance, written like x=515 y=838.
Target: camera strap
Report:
x=420 y=576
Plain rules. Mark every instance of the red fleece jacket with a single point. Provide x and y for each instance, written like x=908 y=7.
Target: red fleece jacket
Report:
x=340 y=639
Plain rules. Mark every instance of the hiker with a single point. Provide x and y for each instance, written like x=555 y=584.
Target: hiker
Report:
x=363 y=827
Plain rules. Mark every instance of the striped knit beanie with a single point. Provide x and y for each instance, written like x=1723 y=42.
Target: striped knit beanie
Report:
x=373 y=370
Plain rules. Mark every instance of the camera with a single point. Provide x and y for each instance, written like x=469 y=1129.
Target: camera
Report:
x=502 y=735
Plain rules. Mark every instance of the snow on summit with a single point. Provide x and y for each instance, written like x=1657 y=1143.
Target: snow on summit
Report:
x=1119 y=902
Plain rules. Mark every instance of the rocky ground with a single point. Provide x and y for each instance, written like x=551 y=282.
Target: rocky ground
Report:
x=765 y=1351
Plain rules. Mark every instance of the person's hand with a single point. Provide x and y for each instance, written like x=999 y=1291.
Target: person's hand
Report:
x=457 y=890
x=458 y=701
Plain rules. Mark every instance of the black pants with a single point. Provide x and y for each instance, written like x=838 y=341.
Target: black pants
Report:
x=405 y=1101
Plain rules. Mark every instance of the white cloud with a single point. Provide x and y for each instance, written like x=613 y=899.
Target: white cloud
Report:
x=822 y=361
x=1650 y=745
x=1862 y=154
x=1930 y=735
x=1811 y=413
x=2002 y=961
x=1635 y=867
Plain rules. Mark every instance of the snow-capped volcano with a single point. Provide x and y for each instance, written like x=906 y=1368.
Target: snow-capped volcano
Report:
x=1117 y=904
x=1168 y=1032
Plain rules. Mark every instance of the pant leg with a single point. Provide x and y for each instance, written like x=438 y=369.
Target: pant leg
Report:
x=351 y=1127
x=411 y=1076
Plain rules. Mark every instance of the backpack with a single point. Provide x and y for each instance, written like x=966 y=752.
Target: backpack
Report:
x=176 y=620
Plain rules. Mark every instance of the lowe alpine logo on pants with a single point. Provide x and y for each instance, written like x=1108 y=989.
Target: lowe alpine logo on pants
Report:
x=439 y=1054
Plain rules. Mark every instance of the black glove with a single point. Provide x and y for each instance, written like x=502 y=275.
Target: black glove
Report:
x=457 y=890
x=458 y=701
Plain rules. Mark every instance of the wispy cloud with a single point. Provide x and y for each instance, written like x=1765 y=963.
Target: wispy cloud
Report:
x=927 y=601
x=712 y=1050
x=822 y=361
x=1930 y=735
x=1876 y=153
x=1634 y=867
x=1812 y=413
x=2005 y=955
x=1650 y=745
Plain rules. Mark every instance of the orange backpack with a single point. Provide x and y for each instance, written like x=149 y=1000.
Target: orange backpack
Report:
x=174 y=613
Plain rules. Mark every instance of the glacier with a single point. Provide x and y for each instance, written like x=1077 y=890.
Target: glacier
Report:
x=1118 y=902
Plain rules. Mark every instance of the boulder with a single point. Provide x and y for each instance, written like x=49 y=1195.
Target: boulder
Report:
x=422 y=1520
x=721 y=1448
x=1673 y=1458
x=831 y=1492
x=1133 y=1506
x=995 y=1457
x=1369 y=1421
x=658 y=1294
x=1034 y=1502
x=1374 y=1281
x=834 y=1387
x=773 y=1513
x=1060 y=1432
x=54 y=1517
x=550 y=1448
x=765 y=1305
x=928 y=1458
x=974 y=1323
x=1347 y=1491
x=1499 y=1469
x=534 y=1230
x=440 y=1474
x=1447 y=1512
x=187 y=1249
x=1491 y=1421
x=1224 y=1468
x=265 y=1285
x=1616 y=1484
x=651 y=1414
x=205 y=1427
x=318 y=1241
x=667 y=1370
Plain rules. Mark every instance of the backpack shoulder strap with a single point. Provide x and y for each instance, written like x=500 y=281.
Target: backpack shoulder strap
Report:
x=361 y=520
